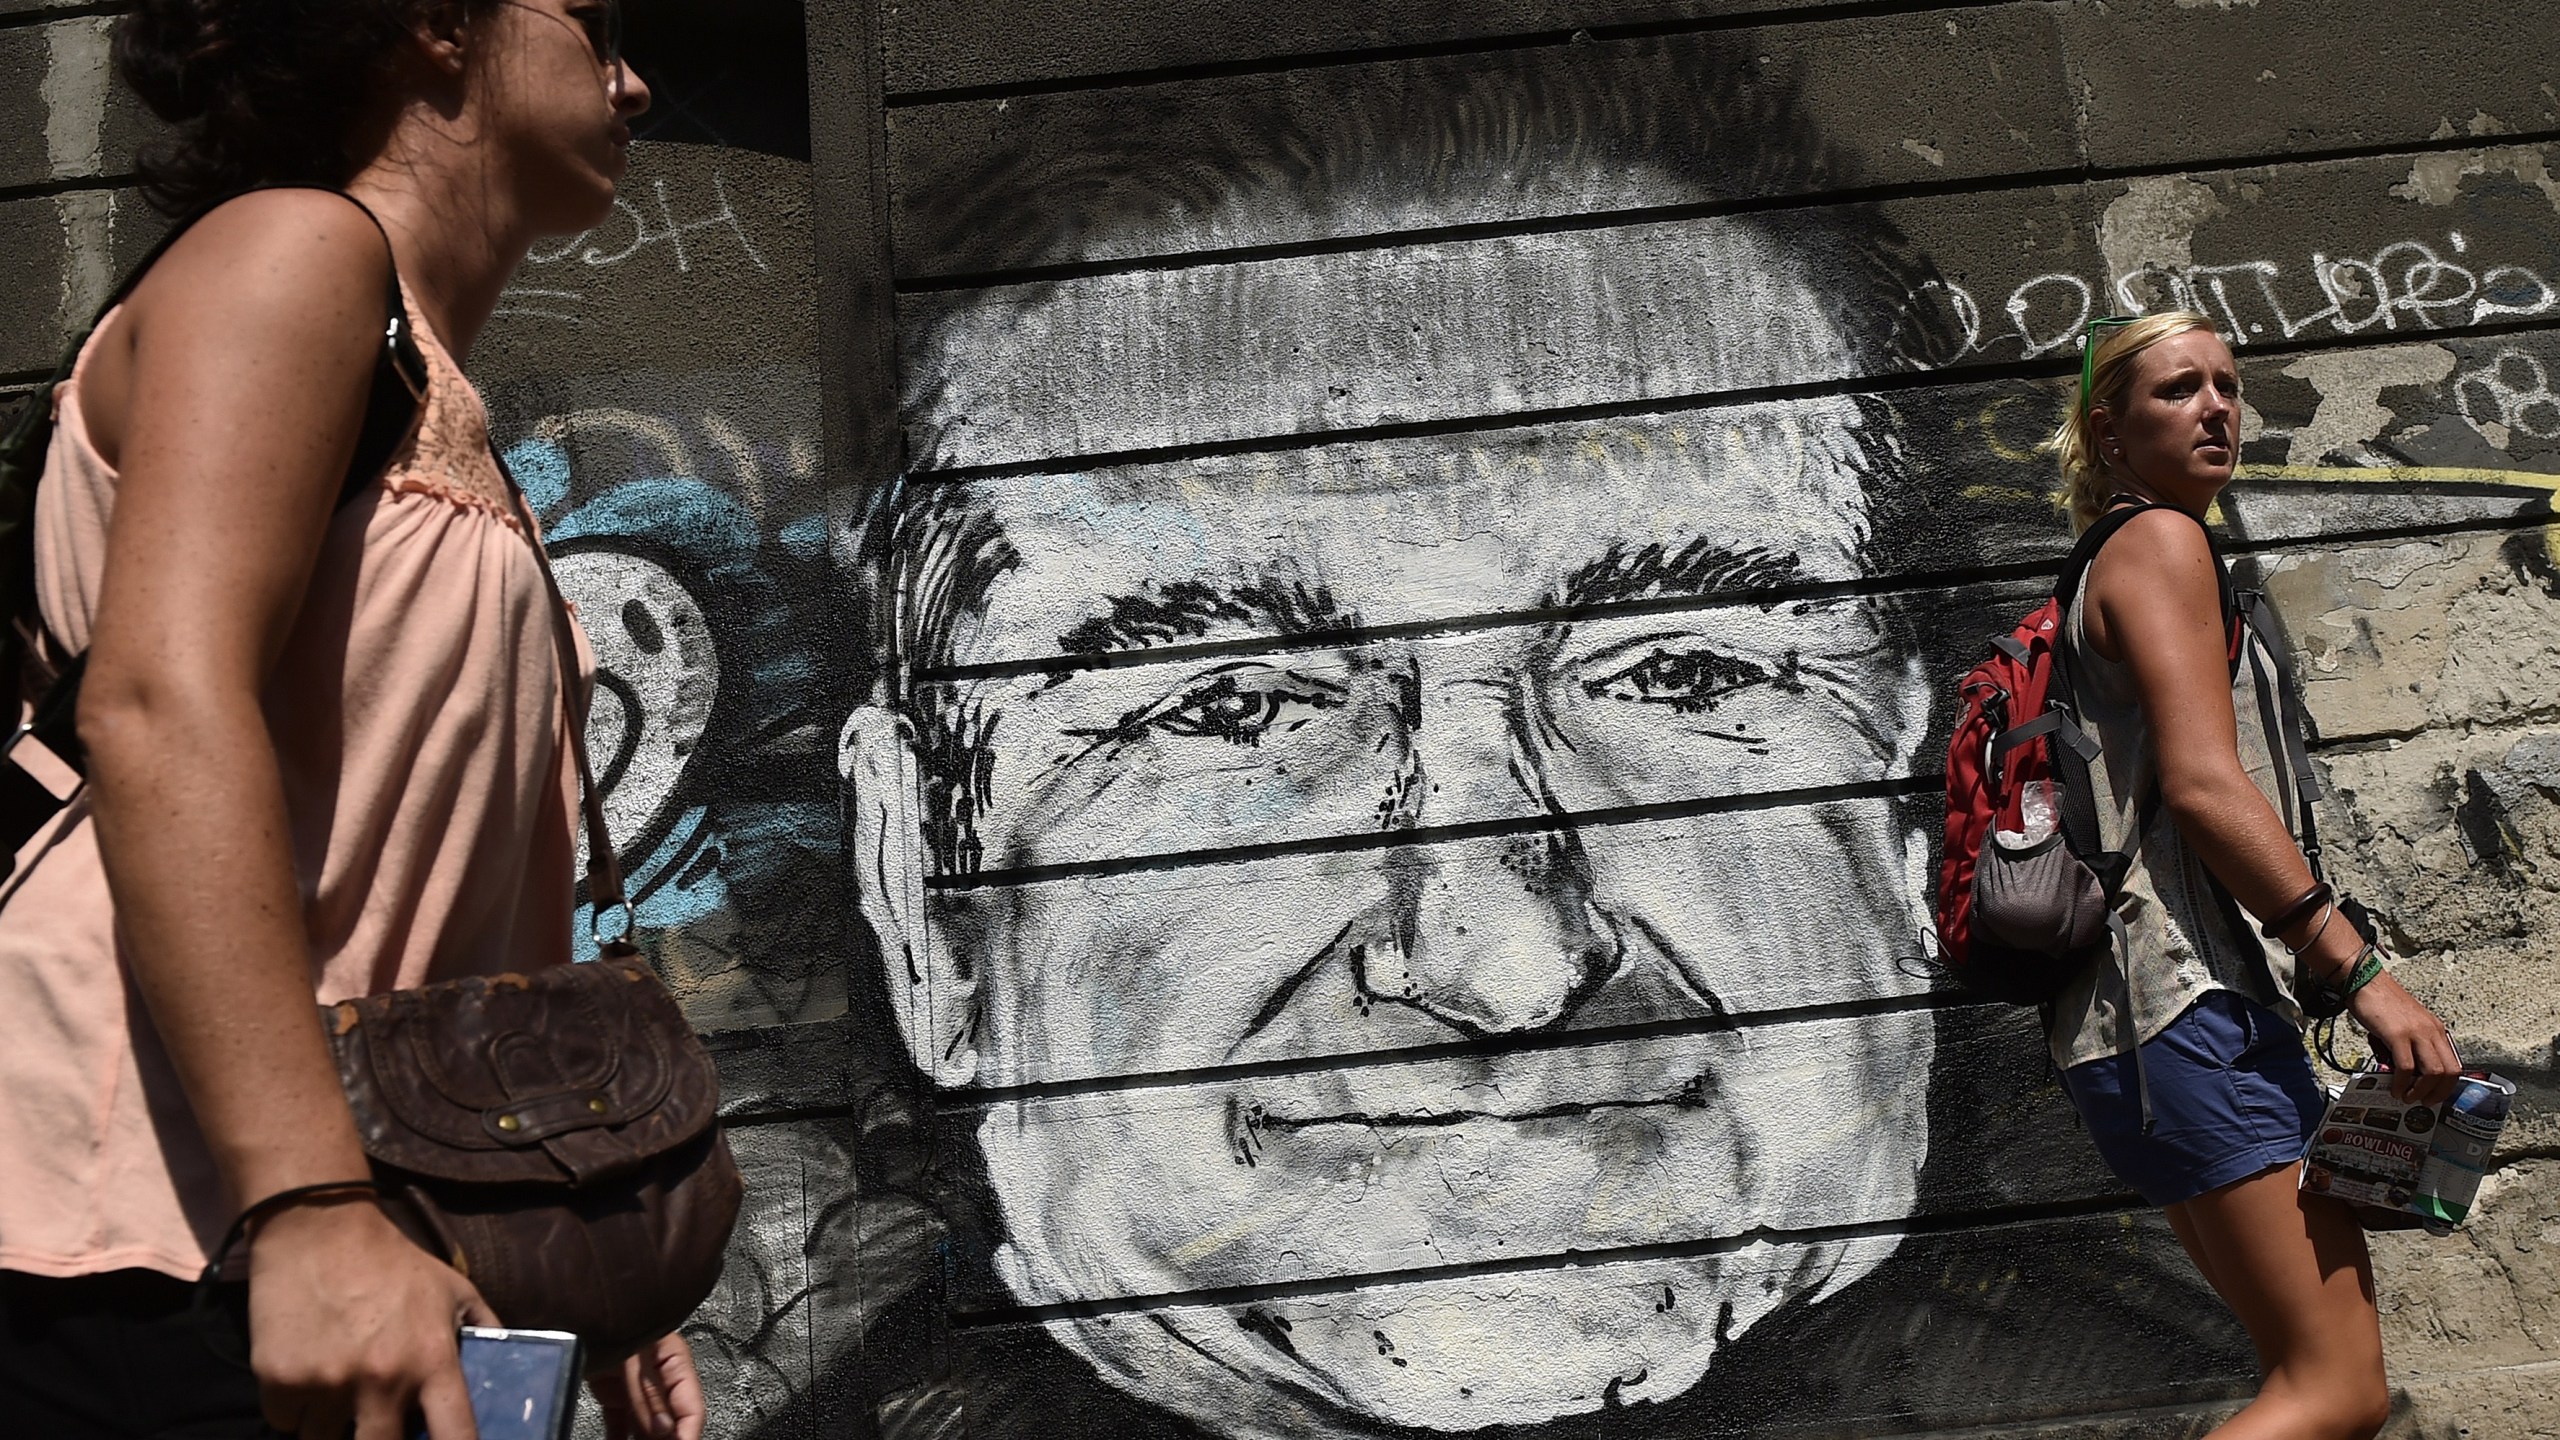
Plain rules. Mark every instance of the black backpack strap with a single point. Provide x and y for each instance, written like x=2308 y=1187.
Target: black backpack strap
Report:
x=2286 y=721
x=392 y=402
x=2078 y=810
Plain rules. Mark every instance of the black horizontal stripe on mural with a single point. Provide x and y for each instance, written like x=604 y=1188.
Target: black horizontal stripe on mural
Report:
x=1532 y=824
x=1538 y=822
x=1876 y=586
x=1902 y=586
x=1364 y=242
x=971 y=1101
x=1375 y=341
x=1748 y=18
x=1997 y=103
x=1960 y=187
x=1881 y=385
x=2000 y=1135
x=2093 y=1324
x=44 y=14
x=73 y=185
x=2003 y=1217
x=1891 y=383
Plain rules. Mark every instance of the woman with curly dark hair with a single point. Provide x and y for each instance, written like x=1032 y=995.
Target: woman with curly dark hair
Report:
x=327 y=731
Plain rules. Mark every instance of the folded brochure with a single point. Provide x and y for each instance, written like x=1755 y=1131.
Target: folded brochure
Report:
x=2421 y=1160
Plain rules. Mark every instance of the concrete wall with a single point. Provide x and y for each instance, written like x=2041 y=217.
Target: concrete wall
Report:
x=1277 y=673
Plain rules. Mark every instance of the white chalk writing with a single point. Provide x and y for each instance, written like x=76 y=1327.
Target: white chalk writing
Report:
x=2408 y=284
x=634 y=228
x=2513 y=390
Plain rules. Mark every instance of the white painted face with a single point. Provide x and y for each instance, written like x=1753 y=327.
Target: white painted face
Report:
x=1531 y=835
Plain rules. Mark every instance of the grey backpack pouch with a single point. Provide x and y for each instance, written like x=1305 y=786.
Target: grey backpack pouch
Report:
x=2038 y=897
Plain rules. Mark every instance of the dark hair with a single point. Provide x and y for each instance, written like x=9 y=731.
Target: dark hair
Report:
x=261 y=92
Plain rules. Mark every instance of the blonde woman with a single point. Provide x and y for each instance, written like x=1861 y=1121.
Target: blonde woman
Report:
x=2210 y=1121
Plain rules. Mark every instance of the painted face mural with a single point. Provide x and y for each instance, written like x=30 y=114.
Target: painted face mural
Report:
x=1429 y=839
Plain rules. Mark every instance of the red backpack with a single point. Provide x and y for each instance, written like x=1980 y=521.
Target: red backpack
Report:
x=2017 y=922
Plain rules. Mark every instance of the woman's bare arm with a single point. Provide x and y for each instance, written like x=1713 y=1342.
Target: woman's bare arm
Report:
x=232 y=391
x=2155 y=606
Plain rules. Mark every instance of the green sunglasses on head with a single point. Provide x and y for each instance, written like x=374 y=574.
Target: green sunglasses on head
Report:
x=2089 y=353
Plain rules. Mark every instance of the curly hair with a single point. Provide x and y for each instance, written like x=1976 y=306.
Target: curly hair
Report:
x=260 y=92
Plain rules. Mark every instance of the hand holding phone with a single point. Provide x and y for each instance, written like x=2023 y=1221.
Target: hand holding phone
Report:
x=523 y=1382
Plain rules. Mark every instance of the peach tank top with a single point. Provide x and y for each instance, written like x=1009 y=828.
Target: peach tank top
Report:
x=418 y=717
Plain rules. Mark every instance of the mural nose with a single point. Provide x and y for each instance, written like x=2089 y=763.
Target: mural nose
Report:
x=1502 y=940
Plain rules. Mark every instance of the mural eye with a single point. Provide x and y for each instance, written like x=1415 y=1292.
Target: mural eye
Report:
x=1242 y=709
x=1688 y=682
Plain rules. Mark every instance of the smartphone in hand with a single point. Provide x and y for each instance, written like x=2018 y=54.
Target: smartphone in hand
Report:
x=524 y=1383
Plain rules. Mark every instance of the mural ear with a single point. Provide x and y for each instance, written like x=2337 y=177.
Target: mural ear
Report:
x=932 y=994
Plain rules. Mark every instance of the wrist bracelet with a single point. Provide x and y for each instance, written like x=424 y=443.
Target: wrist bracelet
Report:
x=2327 y=914
x=2291 y=915
x=281 y=1200
x=2368 y=965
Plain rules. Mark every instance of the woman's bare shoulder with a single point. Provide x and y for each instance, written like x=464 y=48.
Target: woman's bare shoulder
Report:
x=275 y=254
x=2159 y=546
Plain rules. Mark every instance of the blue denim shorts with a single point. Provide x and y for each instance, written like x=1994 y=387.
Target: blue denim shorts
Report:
x=2232 y=1094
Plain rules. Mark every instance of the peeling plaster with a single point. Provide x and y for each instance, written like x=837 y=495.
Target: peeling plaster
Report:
x=75 y=94
x=2152 y=226
x=2252 y=424
x=2437 y=179
x=88 y=221
x=2351 y=412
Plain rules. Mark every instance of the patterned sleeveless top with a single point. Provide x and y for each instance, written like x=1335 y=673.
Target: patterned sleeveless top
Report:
x=418 y=713
x=2179 y=946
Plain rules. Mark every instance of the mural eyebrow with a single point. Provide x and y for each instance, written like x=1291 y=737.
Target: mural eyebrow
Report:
x=1189 y=609
x=1654 y=572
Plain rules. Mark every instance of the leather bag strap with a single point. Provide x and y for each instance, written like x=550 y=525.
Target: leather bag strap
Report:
x=604 y=868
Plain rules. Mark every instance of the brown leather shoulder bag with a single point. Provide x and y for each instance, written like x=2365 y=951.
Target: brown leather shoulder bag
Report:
x=554 y=1136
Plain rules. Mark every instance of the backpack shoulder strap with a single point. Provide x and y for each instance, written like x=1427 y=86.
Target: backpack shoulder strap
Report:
x=2285 y=719
x=2078 y=809
x=2084 y=553
x=2101 y=530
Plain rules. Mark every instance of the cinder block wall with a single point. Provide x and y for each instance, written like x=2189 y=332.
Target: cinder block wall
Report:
x=1276 y=674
